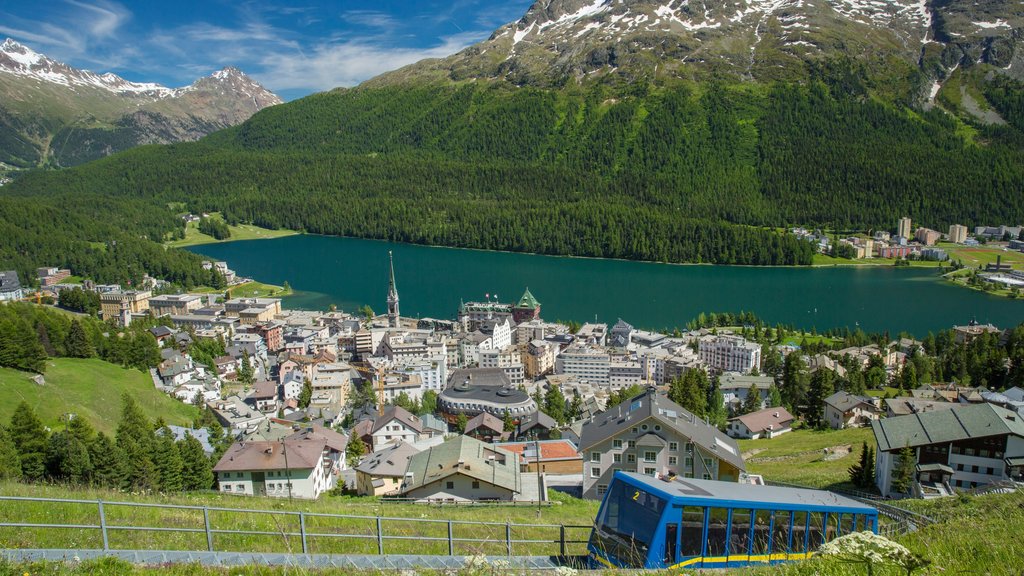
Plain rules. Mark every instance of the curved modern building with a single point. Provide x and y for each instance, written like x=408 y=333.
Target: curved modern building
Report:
x=472 y=392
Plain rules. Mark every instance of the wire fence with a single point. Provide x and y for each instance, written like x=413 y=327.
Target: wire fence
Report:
x=48 y=523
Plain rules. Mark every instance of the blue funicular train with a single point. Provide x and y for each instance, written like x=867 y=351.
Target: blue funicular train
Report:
x=646 y=522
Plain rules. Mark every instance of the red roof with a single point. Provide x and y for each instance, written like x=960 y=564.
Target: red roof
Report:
x=549 y=450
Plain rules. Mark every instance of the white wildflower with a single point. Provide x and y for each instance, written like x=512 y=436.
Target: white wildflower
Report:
x=476 y=562
x=500 y=565
x=867 y=548
x=565 y=571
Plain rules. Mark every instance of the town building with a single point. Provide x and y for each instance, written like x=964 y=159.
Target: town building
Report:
x=961 y=448
x=595 y=334
x=729 y=353
x=486 y=427
x=265 y=397
x=471 y=314
x=587 y=363
x=965 y=334
x=555 y=456
x=621 y=334
x=736 y=387
x=52 y=276
x=624 y=372
x=466 y=469
x=767 y=423
x=10 y=286
x=381 y=473
x=536 y=426
x=472 y=391
x=396 y=424
x=904 y=230
x=538 y=358
x=845 y=410
x=174 y=304
x=508 y=359
x=119 y=305
x=252 y=310
x=651 y=435
x=299 y=468
x=903 y=405
x=527 y=309
x=927 y=236
x=957 y=233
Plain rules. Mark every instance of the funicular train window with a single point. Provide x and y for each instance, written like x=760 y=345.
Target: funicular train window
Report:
x=739 y=537
x=718 y=531
x=846 y=524
x=816 y=531
x=693 y=532
x=762 y=527
x=780 y=532
x=833 y=527
x=627 y=523
x=799 y=533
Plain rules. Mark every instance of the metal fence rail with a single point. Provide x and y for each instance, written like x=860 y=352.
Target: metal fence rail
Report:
x=112 y=526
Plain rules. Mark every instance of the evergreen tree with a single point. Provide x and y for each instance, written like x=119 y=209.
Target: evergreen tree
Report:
x=774 y=396
x=718 y=414
x=576 y=407
x=460 y=423
x=109 y=465
x=690 y=392
x=245 y=372
x=795 y=381
x=752 y=403
x=355 y=450
x=903 y=474
x=77 y=344
x=908 y=378
x=306 y=395
x=196 y=468
x=136 y=439
x=859 y=471
x=508 y=424
x=822 y=386
x=554 y=404
x=80 y=429
x=67 y=459
x=10 y=462
x=30 y=439
x=869 y=469
x=168 y=462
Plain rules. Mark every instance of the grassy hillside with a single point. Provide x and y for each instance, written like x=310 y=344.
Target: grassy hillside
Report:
x=194 y=237
x=799 y=457
x=91 y=389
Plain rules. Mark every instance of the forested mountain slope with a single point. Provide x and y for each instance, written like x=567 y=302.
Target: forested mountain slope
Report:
x=652 y=157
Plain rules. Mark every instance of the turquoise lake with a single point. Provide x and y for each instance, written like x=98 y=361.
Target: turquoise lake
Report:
x=350 y=272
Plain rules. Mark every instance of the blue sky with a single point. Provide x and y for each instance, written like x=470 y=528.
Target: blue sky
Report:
x=293 y=48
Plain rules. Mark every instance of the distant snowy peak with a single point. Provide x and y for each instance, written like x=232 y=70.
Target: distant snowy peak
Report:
x=21 y=60
x=570 y=19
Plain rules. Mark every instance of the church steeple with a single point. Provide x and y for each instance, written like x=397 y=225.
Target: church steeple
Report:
x=392 y=294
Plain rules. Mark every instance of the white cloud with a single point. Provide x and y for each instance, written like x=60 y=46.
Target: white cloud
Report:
x=103 y=18
x=349 y=63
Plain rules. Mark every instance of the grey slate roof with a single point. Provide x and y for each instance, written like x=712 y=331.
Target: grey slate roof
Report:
x=392 y=413
x=9 y=281
x=653 y=405
x=844 y=401
x=958 y=423
x=443 y=460
x=485 y=420
x=391 y=462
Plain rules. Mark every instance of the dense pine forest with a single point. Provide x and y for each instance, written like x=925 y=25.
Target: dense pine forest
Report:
x=670 y=172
